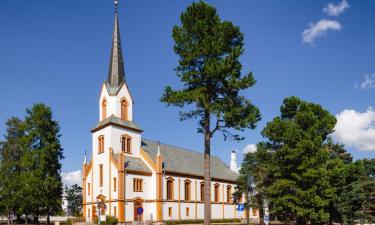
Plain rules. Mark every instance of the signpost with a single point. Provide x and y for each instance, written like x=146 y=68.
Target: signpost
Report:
x=240 y=207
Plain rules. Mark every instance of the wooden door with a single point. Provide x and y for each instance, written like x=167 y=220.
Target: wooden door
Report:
x=137 y=204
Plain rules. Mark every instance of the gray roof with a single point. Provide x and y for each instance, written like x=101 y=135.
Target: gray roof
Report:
x=116 y=72
x=133 y=163
x=113 y=120
x=185 y=161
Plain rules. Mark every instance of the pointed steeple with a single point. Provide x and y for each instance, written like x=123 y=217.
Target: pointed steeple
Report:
x=116 y=73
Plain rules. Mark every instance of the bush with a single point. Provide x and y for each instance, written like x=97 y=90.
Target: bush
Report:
x=175 y=222
x=69 y=221
x=110 y=220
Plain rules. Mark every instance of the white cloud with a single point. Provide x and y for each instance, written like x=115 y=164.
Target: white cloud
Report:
x=70 y=178
x=368 y=83
x=319 y=29
x=356 y=129
x=249 y=148
x=336 y=9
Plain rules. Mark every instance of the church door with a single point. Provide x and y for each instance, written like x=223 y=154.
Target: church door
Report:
x=137 y=204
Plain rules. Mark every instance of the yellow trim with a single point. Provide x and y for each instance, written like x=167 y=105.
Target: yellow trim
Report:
x=179 y=199
x=196 y=209
x=223 y=201
x=110 y=180
x=147 y=159
x=159 y=191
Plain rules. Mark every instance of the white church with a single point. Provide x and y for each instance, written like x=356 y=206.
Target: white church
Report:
x=135 y=179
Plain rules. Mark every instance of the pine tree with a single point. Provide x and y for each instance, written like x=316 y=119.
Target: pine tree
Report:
x=298 y=188
x=43 y=160
x=210 y=72
x=74 y=198
x=11 y=151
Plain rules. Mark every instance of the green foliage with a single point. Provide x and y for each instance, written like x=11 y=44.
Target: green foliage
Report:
x=210 y=71
x=74 y=198
x=306 y=177
x=110 y=220
x=30 y=181
x=175 y=222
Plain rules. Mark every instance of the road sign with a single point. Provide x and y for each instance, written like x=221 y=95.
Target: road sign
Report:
x=266 y=219
x=240 y=207
x=139 y=210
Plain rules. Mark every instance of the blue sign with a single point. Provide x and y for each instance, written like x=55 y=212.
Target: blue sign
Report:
x=139 y=210
x=240 y=207
x=266 y=219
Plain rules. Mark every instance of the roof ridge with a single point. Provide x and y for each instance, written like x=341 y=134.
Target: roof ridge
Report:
x=190 y=150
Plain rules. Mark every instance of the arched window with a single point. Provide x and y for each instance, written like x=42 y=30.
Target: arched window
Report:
x=126 y=143
x=170 y=188
x=101 y=144
x=104 y=109
x=101 y=175
x=202 y=191
x=187 y=190
x=216 y=193
x=124 y=109
x=114 y=184
x=229 y=193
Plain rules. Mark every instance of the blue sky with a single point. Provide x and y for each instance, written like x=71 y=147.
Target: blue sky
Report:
x=57 y=52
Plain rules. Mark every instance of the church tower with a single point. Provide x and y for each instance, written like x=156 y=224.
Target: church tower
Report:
x=115 y=137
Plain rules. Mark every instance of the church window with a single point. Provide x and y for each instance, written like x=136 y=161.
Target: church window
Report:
x=88 y=213
x=170 y=211
x=229 y=193
x=137 y=185
x=124 y=110
x=216 y=193
x=202 y=191
x=114 y=211
x=88 y=188
x=101 y=144
x=170 y=188
x=114 y=184
x=187 y=190
x=101 y=175
x=187 y=211
x=254 y=211
x=104 y=109
x=126 y=143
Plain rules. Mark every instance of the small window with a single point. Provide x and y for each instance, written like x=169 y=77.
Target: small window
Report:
x=187 y=190
x=216 y=193
x=170 y=211
x=104 y=109
x=229 y=194
x=169 y=188
x=124 y=110
x=202 y=191
x=114 y=211
x=101 y=144
x=88 y=189
x=126 y=144
x=114 y=184
x=254 y=211
x=101 y=175
x=88 y=213
x=187 y=211
x=137 y=185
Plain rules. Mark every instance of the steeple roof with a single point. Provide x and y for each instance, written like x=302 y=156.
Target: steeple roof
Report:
x=116 y=73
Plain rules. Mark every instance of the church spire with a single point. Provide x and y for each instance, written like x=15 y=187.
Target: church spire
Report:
x=116 y=74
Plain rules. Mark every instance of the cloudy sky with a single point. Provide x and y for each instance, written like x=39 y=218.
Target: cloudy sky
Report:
x=57 y=52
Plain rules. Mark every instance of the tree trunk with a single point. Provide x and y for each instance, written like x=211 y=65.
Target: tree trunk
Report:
x=207 y=174
x=8 y=222
x=48 y=219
